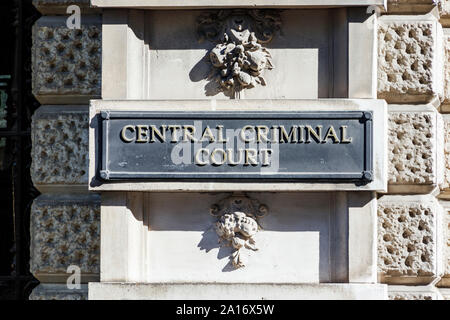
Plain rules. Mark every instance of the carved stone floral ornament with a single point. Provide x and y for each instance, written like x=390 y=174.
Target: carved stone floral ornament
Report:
x=237 y=224
x=239 y=59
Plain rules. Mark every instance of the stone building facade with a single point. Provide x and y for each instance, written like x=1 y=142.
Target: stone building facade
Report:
x=413 y=216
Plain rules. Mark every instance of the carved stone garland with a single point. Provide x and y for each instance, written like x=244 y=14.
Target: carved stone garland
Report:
x=239 y=59
x=237 y=224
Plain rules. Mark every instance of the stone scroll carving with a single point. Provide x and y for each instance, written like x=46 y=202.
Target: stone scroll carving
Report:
x=237 y=225
x=239 y=59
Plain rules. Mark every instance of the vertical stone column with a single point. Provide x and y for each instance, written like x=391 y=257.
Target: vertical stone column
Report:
x=65 y=218
x=411 y=234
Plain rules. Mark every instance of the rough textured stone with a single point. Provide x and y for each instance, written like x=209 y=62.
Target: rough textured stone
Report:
x=409 y=59
x=60 y=6
x=58 y=292
x=411 y=6
x=410 y=296
x=408 y=239
x=413 y=293
x=415 y=153
x=446 y=182
x=59 y=2
x=444 y=7
x=447 y=69
x=65 y=230
x=66 y=62
x=38 y=3
x=446 y=243
x=60 y=145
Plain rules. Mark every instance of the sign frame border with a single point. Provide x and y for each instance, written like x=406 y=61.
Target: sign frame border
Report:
x=363 y=177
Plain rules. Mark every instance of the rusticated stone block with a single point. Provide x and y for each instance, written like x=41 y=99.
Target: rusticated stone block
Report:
x=446 y=182
x=415 y=149
x=447 y=246
x=66 y=62
x=60 y=6
x=58 y=292
x=445 y=282
x=65 y=231
x=410 y=6
x=60 y=146
x=413 y=293
x=444 y=6
x=445 y=293
x=445 y=107
x=409 y=248
x=410 y=59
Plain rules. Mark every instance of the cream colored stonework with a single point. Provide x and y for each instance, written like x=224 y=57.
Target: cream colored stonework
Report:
x=415 y=149
x=410 y=6
x=445 y=12
x=60 y=6
x=410 y=233
x=408 y=239
x=182 y=4
x=58 y=292
x=66 y=62
x=60 y=147
x=414 y=293
x=445 y=107
x=445 y=282
x=65 y=231
x=411 y=144
x=240 y=55
x=447 y=244
x=446 y=183
x=409 y=59
x=237 y=225
x=445 y=292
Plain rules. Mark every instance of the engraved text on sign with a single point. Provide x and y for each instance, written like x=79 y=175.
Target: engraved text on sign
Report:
x=329 y=146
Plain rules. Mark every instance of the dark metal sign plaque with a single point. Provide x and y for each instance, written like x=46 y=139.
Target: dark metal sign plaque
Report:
x=211 y=146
